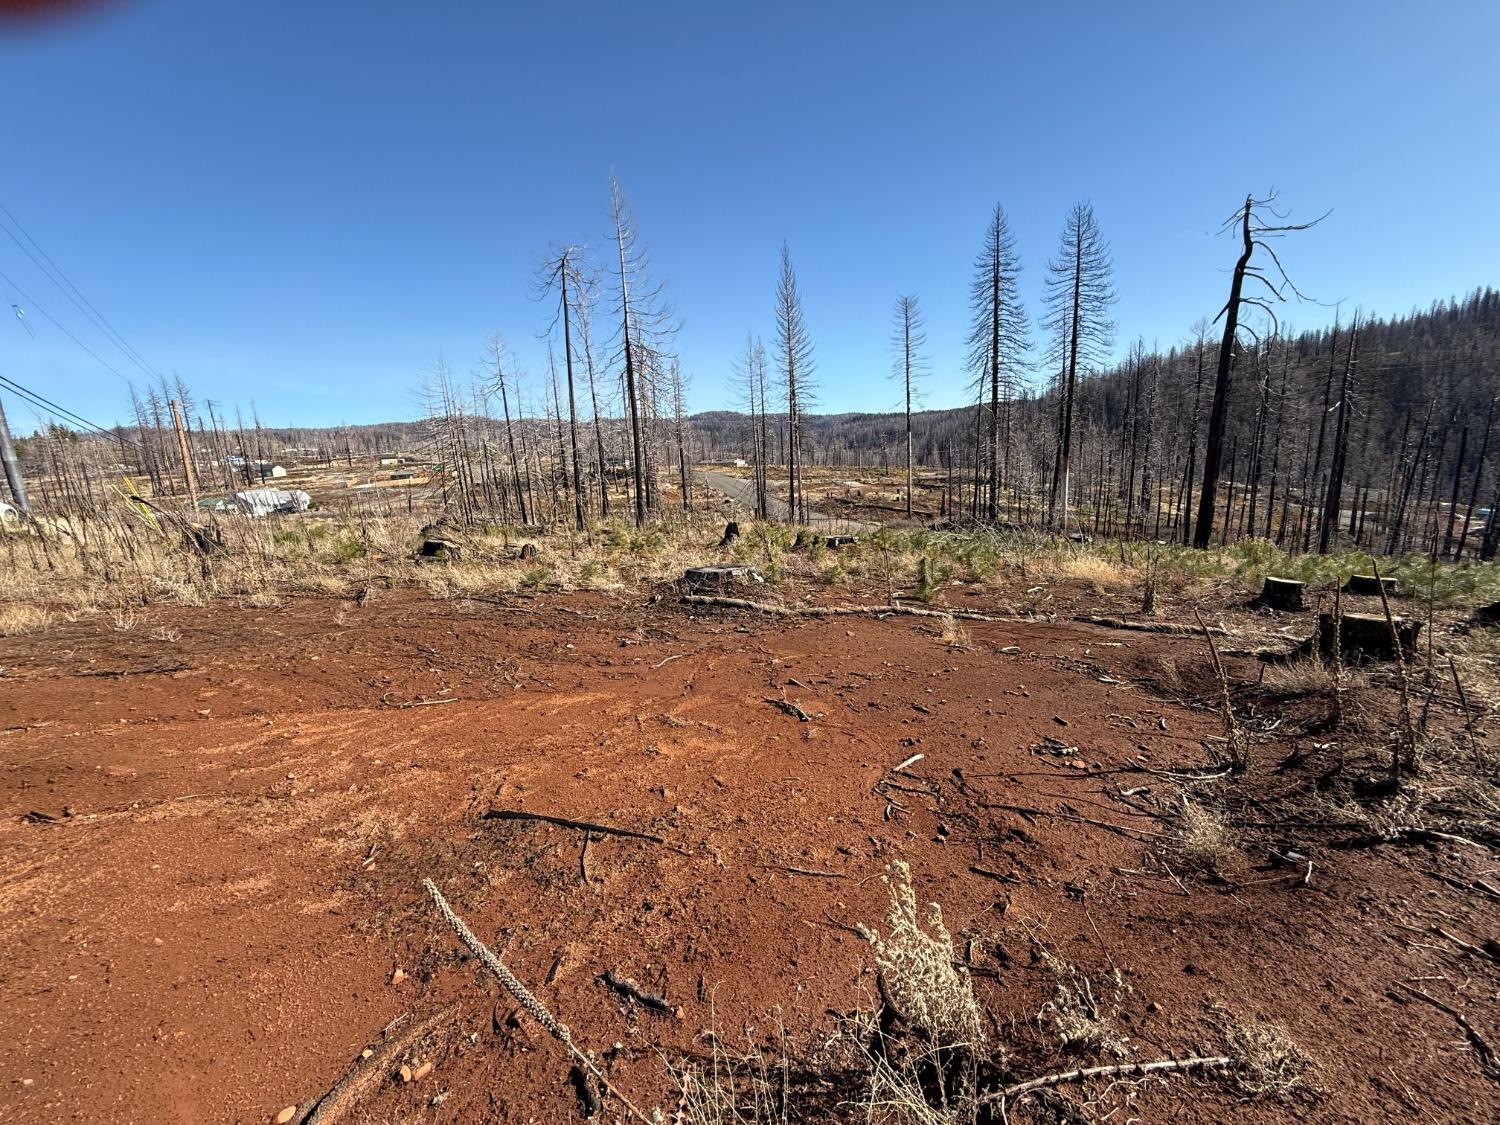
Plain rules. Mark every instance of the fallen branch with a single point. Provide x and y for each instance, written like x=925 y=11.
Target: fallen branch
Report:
x=988 y=874
x=1488 y=1061
x=1121 y=1070
x=539 y=1012
x=1469 y=947
x=833 y=610
x=371 y=1071
x=564 y=822
x=1168 y=627
x=791 y=709
x=810 y=872
x=632 y=991
x=1420 y=833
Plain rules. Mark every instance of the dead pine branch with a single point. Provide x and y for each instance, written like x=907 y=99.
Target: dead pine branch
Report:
x=632 y=991
x=833 y=610
x=369 y=1072
x=523 y=995
x=1233 y=735
x=791 y=709
x=1405 y=753
x=809 y=872
x=1119 y=1070
x=1170 y=628
x=1489 y=1062
x=564 y=822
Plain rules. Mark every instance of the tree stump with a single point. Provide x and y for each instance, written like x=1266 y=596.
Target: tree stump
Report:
x=440 y=549
x=834 y=542
x=1368 y=586
x=1487 y=615
x=1365 y=637
x=731 y=533
x=528 y=551
x=1281 y=593
x=701 y=578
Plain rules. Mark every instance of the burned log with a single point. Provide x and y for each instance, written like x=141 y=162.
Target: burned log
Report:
x=441 y=550
x=1487 y=616
x=1281 y=593
x=700 y=578
x=1368 y=586
x=1365 y=637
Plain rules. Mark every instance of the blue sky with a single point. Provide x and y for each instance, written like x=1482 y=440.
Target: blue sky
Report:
x=307 y=204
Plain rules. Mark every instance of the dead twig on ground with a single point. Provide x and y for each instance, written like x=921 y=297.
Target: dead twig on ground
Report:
x=370 y=1072
x=1119 y=1070
x=809 y=872
x=1168 y=627
x=1232 y=732
x=1490 y=950
x=1488 y=1061
x=833 y=610
x=791 y=709
x=535 y=1007
x=632 y=991
x=564 y=822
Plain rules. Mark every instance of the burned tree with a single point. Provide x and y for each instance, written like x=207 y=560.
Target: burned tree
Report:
x=1254 y=233
x=998 y=340
x=645 y=327
x=794 y=353
x=564 y=272
x=1079 y=294
x=908 y=338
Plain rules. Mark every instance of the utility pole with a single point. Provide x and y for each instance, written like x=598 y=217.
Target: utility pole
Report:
x=187 y=460
x=13 y=475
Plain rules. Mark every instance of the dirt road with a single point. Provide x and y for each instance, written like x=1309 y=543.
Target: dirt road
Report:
x=213 y=848
x=742 y=492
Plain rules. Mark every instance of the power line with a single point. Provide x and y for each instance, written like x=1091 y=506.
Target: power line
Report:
x=27 y=297
x=46 y=404
x=73 y=293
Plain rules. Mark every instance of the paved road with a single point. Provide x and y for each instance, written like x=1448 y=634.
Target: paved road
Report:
x=742 y=492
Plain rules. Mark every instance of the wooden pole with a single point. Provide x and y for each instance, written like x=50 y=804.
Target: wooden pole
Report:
x=187 y=460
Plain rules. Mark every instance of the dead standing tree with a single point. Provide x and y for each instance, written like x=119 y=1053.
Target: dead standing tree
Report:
x=751 y=370
x=563 y=271
x=505 y=376
x=1253 y=235
x=1079 y=294
x=908 y=338
x=645 y=326
x=998 y=340
x=794 y=352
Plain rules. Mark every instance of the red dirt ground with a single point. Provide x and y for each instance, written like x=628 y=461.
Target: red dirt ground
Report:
x=197 y=937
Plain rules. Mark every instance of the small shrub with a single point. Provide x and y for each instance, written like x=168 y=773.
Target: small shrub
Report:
x=917 y=968
x=346 y=549
x=19 y=618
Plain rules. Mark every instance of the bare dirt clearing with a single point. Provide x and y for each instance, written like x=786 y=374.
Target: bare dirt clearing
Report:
x=205 y=920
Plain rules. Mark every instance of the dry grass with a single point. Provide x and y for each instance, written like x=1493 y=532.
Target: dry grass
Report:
x=916 y=966
x=1100 y=574
x=955 y=635
x=1200 y=838
x=1271 y=1066
x=23 y=617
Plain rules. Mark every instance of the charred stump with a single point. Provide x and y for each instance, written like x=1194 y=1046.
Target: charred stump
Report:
x=731 y=533
x=439 y=550
x=700 y=579
x=1281 y=593
x=1368 y=586
x=1365 y=637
